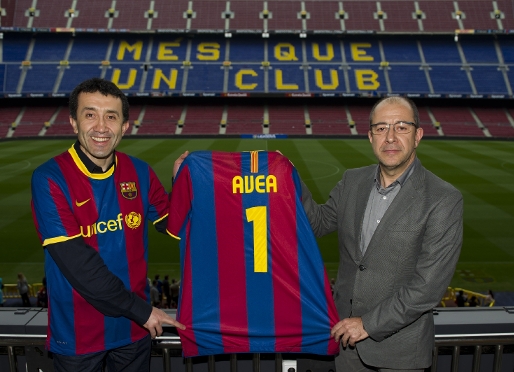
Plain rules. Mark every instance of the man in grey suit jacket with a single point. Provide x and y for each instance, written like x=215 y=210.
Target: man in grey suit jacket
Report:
x=400 y=234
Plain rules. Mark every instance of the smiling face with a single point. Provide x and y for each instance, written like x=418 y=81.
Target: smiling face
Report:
x=99 y=126
x=394 y=151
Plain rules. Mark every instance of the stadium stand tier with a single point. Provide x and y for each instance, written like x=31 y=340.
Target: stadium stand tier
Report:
x=314 y=117
x=51 y=64
x=263 y=16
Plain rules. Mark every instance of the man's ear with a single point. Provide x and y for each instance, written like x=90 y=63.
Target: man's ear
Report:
x=124 y=127
x=74 y=124
x=418 y=136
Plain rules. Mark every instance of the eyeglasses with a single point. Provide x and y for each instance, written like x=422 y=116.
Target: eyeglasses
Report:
x=400 y=127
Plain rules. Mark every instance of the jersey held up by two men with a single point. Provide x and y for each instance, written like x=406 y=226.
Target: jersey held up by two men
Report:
x=253 y=280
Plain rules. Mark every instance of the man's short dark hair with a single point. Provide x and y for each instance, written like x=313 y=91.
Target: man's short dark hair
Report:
x=105 y=87
x=412 y=105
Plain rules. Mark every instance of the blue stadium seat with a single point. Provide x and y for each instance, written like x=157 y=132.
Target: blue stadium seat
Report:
x=450 y=80
x=49 y=47
x=40 y=78
x=408 y=79
x=77 y=73
x=15 y=46
x=87 y=48
x=488 y=80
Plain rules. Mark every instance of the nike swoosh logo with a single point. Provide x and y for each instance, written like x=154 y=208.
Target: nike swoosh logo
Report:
x=80 y=204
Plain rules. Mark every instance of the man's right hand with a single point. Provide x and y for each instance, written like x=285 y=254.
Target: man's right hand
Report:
x=157 y=319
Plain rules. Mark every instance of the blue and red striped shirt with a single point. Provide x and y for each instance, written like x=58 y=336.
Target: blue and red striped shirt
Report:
x=110 y=212
x=253 y=279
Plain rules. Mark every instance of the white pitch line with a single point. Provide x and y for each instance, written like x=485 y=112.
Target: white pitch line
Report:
x=337 y=170
x=14 y=168
x=507 y=165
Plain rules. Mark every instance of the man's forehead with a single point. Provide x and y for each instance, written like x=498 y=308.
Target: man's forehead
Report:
x=97 y=99
x=393 y=106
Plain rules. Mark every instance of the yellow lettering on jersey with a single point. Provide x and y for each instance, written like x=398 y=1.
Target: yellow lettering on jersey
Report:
x=165 y=53
x=334 y=80
x=208 y=52
x=136 y=48
x=239 y=79
x=248 y=184
x=366 y=79
x=258 y=215
x=102 y=227
x=237 y=185
x=316 y=53
x=359 y=54
x=271 y=183
x=261 y=184
x=130 y=81
x=171 y=82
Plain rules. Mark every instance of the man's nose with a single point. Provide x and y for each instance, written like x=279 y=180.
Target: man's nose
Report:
x=391 y=133
x=100 y=124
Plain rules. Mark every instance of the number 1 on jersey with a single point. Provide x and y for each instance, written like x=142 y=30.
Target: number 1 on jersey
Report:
x=260 y=237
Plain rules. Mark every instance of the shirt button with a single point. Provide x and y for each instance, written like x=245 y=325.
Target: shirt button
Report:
x=378 y=221
x=362 y=267
x=384 y=197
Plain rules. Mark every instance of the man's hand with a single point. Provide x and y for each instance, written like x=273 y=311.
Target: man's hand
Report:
x=178 y=162
x=349 y=331
x=157 y=319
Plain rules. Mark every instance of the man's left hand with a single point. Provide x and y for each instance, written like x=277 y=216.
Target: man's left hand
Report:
x=349 y=331
x=178 y=162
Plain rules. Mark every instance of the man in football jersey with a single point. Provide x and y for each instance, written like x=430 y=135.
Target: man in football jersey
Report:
x=90 y=206
x=400 y=235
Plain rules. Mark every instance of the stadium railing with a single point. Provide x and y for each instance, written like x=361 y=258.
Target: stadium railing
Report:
x=471 y=339
x=11 y=291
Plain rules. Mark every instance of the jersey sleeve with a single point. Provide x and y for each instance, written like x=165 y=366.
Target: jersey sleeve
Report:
x=158 y=198
x=51 y=207
x=180 y=201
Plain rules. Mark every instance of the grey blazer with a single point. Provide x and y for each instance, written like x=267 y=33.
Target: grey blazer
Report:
x=407 y=266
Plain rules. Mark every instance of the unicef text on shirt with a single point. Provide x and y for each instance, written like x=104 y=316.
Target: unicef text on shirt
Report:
x=132 y=220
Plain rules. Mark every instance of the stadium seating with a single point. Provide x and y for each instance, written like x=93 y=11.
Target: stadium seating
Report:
x=33 y=120
x=456 y=121
x=360 y=117
x=158 y=119
x=329 y=119
x=495 y=120
x=426 y=122
x=202 y=119
x=50 y=64
x=293 y=118
x=245 y=119
x=8 y=116
x=288 y=119
x=385 y=15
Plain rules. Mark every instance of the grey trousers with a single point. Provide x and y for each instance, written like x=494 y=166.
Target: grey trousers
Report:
x=348 y=360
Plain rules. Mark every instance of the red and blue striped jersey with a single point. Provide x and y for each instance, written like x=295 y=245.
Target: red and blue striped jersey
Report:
x=252 y=278
x=110 y=212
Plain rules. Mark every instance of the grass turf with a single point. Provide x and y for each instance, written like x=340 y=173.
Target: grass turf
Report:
x=482 y=170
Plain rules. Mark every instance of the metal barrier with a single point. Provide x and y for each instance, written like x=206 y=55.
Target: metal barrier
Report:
x=11 y=290
x=466 y=339
x=167 y=348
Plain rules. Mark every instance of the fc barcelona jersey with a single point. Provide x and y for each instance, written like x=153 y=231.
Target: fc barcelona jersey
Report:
x=253 y=280
x=110 y=212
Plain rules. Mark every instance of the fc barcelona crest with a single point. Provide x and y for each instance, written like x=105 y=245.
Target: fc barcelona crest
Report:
x=128 y=190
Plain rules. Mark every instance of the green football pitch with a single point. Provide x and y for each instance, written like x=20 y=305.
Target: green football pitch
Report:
x=482 y=170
